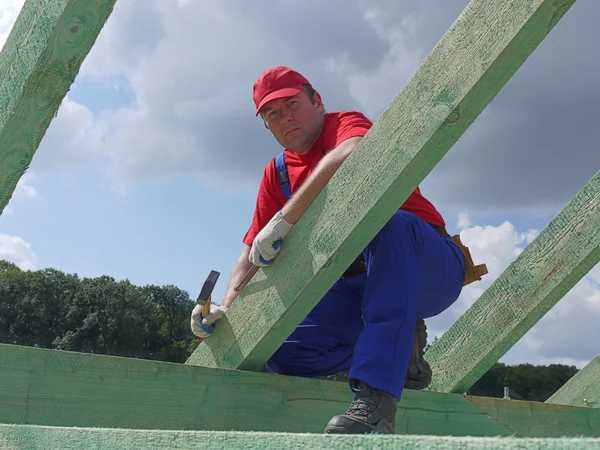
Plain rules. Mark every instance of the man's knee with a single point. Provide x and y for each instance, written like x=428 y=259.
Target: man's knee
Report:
x=403 y=225
x=310 y=361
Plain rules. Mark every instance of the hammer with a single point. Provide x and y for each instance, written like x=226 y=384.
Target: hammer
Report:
x=246 y=278
x=205 y=293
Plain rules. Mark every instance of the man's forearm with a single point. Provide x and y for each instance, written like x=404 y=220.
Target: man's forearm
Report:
x=242 y=266
x=310 y=189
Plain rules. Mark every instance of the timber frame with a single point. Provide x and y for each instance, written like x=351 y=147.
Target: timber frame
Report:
x=57 y=399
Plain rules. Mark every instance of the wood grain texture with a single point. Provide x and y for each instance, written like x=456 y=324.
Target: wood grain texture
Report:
x=567 y=249
x=583 y=389
x=57 y=388
x=549 y=420
x=463 y=73
x=38 y=63
x=31 y=437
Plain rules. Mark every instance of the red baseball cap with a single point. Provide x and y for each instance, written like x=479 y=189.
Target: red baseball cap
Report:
x=277 y=82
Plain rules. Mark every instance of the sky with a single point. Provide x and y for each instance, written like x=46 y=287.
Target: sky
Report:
x=150 y=170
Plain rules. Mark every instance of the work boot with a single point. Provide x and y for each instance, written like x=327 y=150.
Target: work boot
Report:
x=418 y=375
x=371 y=411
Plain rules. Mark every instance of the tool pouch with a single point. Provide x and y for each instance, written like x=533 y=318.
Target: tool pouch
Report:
x=472 y=272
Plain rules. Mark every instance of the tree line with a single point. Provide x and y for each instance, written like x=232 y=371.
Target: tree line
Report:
x=51 y=309
x=524 y=381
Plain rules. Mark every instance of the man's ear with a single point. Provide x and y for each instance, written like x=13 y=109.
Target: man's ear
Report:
x=262 y=117
x=318 y=101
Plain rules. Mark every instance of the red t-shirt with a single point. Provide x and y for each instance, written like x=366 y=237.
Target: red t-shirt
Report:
x=338 y=127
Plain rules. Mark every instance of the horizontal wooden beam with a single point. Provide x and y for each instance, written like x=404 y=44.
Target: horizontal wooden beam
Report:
x=57 y=388
x=560 y=256
x=27 y=437
x=583 y=389
x=550 y=421
x=38 y=63
x=45 y=387
x=464 y=72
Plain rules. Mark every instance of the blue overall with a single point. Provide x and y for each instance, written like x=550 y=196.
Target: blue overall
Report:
x=365 y=324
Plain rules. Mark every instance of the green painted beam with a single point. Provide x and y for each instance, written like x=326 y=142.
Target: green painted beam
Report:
x=464 y=72
x=38 y=63
x=47 y=387
x=57 y=388
x=567 y=249
x=31 y=437
x=583 y=389
x=550 y=420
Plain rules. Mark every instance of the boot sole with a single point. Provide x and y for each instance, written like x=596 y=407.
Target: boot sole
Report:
x=341 y=430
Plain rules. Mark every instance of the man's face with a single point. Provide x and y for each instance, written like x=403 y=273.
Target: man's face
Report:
x=295 y=121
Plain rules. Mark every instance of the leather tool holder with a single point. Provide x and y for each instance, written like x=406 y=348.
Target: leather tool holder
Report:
x=472 y=272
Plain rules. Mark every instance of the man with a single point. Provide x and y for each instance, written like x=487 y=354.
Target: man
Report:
x=367 y=323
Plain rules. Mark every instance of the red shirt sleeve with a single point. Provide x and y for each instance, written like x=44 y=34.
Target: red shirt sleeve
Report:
x=339 y=127
x=345 y=125
x=269 y=200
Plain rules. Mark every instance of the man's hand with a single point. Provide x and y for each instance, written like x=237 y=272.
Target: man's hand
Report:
x=267 y=243
x=204 y=327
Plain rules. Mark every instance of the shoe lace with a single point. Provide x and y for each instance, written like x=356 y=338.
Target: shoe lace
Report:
x=365 y=402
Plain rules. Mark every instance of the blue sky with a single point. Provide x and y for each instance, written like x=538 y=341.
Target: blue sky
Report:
x=151 y=168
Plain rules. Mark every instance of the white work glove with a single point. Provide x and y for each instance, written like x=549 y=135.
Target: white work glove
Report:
x=204 y=327
x=267 y=243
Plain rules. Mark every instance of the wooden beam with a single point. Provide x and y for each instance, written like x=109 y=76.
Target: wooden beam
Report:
x=38 y=64
x=45 y=387
x=57 y=388
x=31 y=436
x=583 y=389
x=567 y=249
x=463 y=73
x=549 y=420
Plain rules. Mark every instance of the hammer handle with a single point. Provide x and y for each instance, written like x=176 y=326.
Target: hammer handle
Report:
x=246 y=278
x=206 y=307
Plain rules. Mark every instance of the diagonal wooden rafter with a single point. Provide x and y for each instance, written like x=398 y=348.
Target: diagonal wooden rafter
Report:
x=464 y=72
x=57 y=388
x=38 y=63
x=583 y=389
x=567 y=249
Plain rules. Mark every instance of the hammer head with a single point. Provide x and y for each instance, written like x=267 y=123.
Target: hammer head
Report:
x=208 y=287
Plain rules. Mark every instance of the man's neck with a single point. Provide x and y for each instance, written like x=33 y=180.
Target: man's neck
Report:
x=312 y=144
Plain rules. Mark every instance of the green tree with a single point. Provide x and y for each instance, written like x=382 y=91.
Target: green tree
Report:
x=107 y=317
x=525 y=381
x=171 y=335
x=50 y=292
x=14 y=290
x=48 y=308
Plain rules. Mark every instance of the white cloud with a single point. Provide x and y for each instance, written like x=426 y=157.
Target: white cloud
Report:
x=496 y=246
x=464 y=221
x=375 y=89
x=594 y=300
x=73 y=138
x=24 y=189
x=17 y=251
x=567 y=333
x=193 y=111
x=191 y=68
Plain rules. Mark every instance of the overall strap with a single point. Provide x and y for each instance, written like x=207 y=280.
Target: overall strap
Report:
x=282 y=175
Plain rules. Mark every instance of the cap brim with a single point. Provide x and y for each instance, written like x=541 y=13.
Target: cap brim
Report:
x=281 y=93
